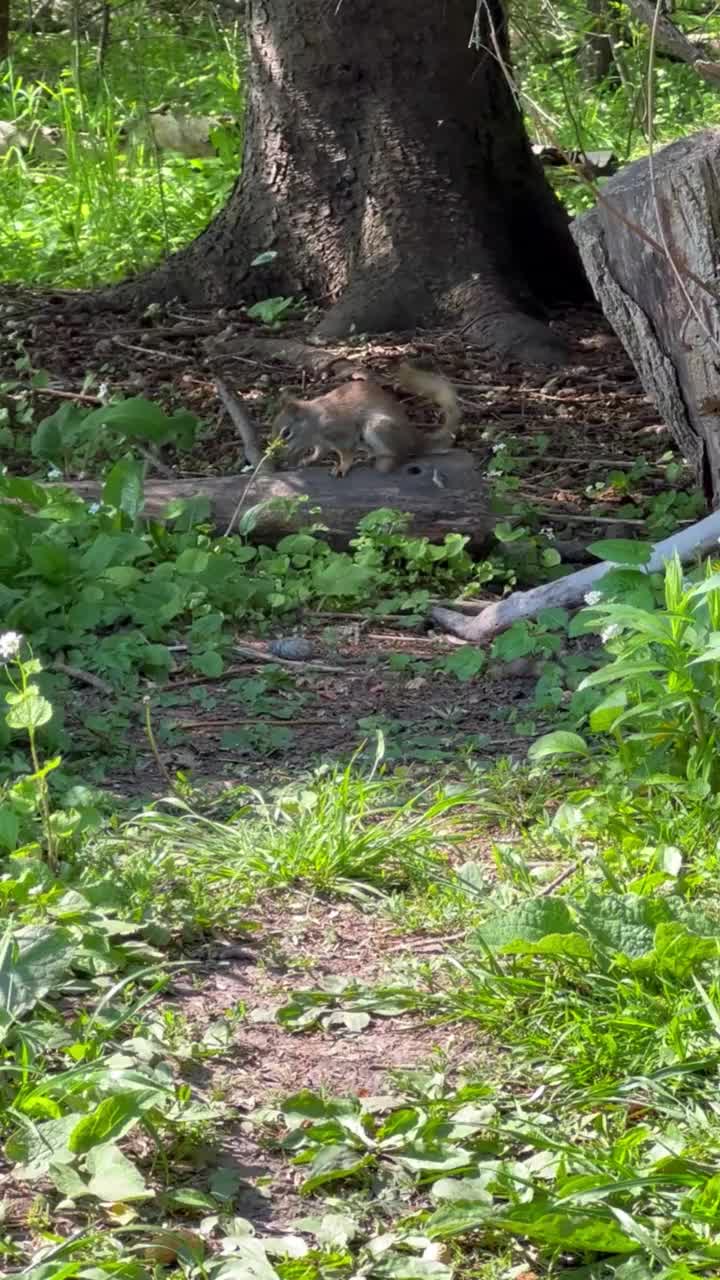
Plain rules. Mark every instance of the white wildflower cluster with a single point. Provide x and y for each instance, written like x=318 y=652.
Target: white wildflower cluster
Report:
x=609 y=633
x=498 y=448
x=93 y=508
x=54 y=474
x=548 y=532
x=593 y=597
x=10 y=642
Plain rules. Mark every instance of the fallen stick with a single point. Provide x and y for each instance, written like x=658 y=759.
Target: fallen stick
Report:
x=242 y=424
x=570 y=592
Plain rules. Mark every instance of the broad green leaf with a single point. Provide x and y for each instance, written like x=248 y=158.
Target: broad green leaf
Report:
x=35 y=1148
x=619 y=671
x=334 y=1230
x=466 y=1190
x=516 y=642
x=9 y=827
x=622 y=551
x=248 y=1261
x=623 y=924
x=32 y=962
x=192 y=561
x=332 y=1163
x=123 y=488
x=210 y=663
x=113 y=1177
x=605 y=714
x=530 y=922
x=465 y=662
x=111 y=1119
x=420 y=1157
x=403 y=1266
x=28 y=710
x=565 y=1229
x=559 y=743
x=67 y=1181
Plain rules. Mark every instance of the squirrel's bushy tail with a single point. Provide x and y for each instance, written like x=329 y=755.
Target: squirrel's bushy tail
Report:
x=433 y=387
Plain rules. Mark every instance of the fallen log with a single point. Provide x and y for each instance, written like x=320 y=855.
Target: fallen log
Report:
x=652 y=254
x=695 y=540
x=443 y=494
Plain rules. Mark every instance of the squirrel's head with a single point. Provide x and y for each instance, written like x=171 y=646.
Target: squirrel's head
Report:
x=290 y=428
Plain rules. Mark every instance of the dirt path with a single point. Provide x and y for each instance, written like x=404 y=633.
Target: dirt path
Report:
x=300 y=945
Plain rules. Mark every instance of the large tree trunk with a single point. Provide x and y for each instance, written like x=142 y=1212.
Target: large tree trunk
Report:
x=387 y=168
x=652 y=253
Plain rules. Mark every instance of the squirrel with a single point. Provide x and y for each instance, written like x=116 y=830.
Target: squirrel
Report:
x=361 y=414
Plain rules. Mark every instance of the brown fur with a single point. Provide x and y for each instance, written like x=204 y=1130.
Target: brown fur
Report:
x=361 y=415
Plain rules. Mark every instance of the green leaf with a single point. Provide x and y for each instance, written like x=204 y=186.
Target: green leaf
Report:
x=559 y=743
x=403 y=1266
x=525 y=927
x=140 y=419
x=333 y=1162
x=9 y=827
x=622 y=551
x=32 y=963
x=565 y=1229
x=623 y=923
x=28 y=710
x=420 y=1157
x=619 y=671
x=192 y=561
x=516 y=642
x=209 y=662
x=607 y=712
x=270 y=310
x=123 y=488
x=111 y=1119
x=113 y=1177
x=341 y=578
x=465 y=662
x=38 y=1146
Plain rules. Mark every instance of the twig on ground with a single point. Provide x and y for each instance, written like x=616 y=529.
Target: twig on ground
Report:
x=242 y=424
x=83 y=677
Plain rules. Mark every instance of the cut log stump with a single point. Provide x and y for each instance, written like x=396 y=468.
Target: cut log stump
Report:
x=663 y=298
x=443 y=494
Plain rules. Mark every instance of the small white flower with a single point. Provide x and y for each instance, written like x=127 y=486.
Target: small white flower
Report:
x=593 y=597
x=493 y=472
x=94 y=508
x=609 y=633
x=498 y=448
x=54 y=474
x=10 y=642
x=548 y=533
x=104 y=392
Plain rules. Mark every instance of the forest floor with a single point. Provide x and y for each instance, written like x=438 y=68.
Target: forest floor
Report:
x=371 y=958
x=581 y=449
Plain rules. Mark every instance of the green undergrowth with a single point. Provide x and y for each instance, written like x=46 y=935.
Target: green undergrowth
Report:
x=98 y=202
x=581 y=1133
x=90 y=210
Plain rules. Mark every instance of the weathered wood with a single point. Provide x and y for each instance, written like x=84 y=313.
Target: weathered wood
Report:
x=443 y=494
x=689 y=544
x=662 y=298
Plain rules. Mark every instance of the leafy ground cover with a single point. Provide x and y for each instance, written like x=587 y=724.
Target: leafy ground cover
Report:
x=399 y=961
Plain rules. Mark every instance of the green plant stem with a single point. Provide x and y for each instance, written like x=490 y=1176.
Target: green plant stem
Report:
x=44 y=804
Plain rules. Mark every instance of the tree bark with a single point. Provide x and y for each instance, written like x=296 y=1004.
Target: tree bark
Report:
x=4 y=28
x=652 y=254
x=387 y=170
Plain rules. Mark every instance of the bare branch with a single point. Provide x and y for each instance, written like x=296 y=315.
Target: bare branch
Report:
x=570 y=592
x=242 y=424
